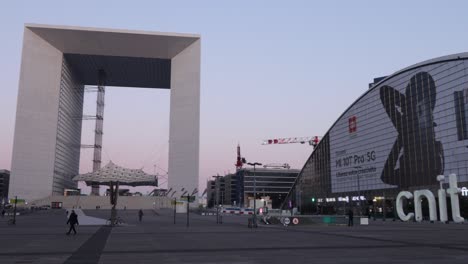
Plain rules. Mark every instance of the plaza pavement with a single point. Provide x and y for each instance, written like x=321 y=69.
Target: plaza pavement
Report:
x=40 y=238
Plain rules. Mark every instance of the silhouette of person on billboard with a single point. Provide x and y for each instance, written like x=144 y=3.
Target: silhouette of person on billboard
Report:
x=416 y=157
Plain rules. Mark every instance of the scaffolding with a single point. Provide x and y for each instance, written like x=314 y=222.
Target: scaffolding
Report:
x=98 y=131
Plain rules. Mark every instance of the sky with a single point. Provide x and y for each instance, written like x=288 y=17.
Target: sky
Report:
x=269 y=69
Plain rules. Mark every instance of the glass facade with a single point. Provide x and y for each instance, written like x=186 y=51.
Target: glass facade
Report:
x=275 y=183
x=399 y=135
x=4 y=186
x=68 y=140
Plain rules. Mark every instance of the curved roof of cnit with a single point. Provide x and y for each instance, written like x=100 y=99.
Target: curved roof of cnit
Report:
x=447 y=58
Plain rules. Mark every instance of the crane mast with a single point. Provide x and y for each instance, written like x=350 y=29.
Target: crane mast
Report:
x=312 y=141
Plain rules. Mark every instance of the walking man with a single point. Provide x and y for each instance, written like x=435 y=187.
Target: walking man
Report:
x=140 y=215
x=72 y=220
x=350 y=217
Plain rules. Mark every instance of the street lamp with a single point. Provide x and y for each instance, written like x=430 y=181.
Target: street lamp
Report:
x=175 y=204
x=255 y=192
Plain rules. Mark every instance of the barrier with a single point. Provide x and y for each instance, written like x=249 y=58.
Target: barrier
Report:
x=102 y=202
x=237 y=211
x=329 y=219
x=364 y=221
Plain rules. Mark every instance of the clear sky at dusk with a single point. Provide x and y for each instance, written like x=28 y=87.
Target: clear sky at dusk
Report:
x=269 y=69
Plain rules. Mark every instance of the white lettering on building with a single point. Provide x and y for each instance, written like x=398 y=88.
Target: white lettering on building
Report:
x=453 y=191
x=464 y=191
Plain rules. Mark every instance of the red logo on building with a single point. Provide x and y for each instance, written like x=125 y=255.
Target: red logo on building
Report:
x=352 y=124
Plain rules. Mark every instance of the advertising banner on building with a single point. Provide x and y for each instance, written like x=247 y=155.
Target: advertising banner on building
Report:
x=404 y=132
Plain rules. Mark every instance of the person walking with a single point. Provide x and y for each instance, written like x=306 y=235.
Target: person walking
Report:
x=3 y=213
x=140 y=215
x=72 y=220
x=350 y=217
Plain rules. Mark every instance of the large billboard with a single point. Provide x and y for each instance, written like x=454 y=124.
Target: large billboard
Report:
x=404 y=132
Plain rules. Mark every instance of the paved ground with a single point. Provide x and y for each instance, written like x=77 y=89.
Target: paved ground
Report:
x=40 y=238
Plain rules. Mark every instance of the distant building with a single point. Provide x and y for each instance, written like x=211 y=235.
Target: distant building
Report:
x=222 y=190
x=274 y=183
x=230 y=190
x=4 y=184
x=236 y=189
x=216 y=190
x=376 y=81
x=210 y=193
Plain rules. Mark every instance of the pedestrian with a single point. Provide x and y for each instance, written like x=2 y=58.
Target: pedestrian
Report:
x=3 y=213
x=140 y=215
x=350 y=217
x=72 y=220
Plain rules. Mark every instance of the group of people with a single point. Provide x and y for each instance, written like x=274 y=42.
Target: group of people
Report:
x=73 y=220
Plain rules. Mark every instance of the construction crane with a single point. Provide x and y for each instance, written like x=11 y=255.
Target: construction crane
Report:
x=277 y=165
x=313 y=141
x=240 y=160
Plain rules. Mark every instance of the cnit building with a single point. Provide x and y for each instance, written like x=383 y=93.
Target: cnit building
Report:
x=403 y=132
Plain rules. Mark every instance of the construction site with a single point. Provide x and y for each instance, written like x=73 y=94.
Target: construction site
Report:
x=256 y=185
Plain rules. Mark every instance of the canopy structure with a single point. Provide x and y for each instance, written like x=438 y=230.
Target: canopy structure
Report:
x=112 y=174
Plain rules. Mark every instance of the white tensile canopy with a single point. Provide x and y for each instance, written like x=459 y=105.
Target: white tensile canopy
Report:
x=112 y=173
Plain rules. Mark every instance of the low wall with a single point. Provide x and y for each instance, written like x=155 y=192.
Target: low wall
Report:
x=90 y=202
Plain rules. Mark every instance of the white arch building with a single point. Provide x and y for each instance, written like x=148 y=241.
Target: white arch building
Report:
x=58 y=61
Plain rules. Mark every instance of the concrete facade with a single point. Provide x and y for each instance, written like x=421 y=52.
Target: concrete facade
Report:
x=184 y=124
x=90 y=202
x=57 y=62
